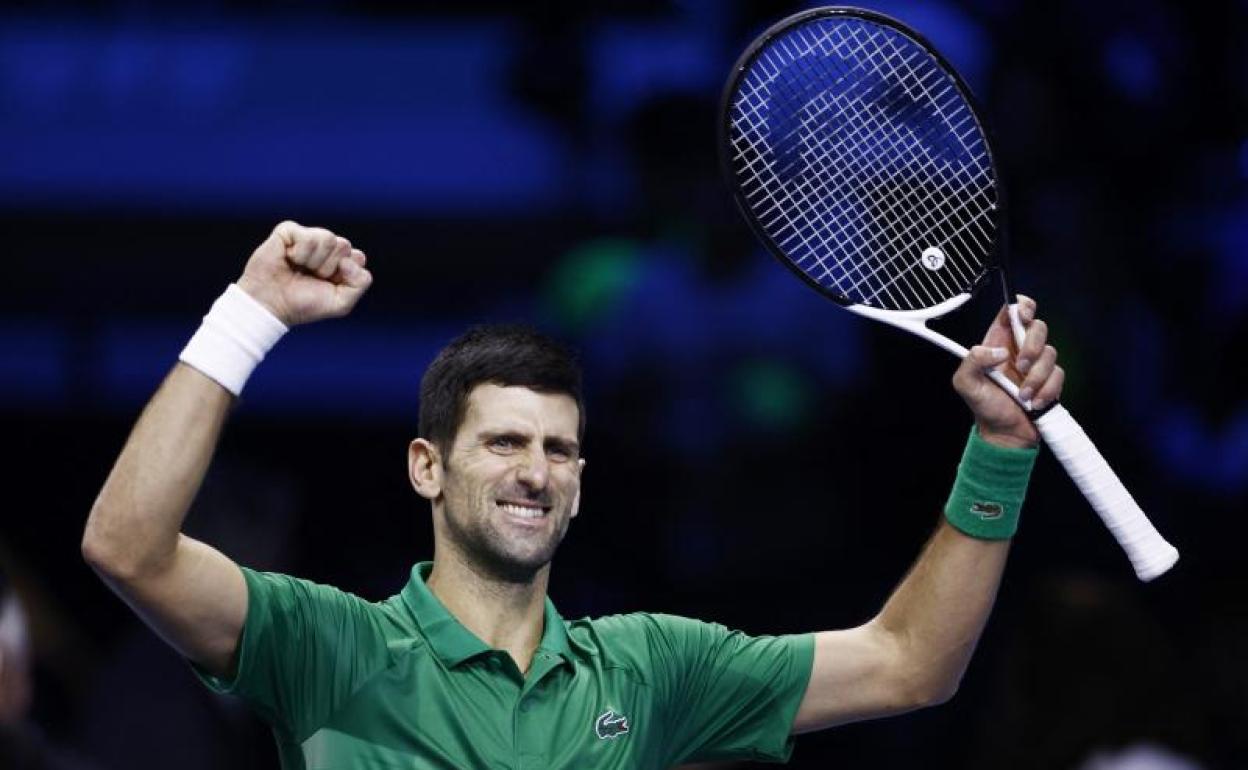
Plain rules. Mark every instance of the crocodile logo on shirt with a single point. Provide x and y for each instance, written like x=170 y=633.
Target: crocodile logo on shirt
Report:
x=610 y=725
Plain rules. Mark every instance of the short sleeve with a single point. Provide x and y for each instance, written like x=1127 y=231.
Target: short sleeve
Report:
x=304 y=650
x=728 y=695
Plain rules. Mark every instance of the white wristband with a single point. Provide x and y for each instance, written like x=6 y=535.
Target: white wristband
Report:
x=235 y=336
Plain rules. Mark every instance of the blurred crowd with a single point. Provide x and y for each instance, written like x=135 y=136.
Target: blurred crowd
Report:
x=555 y=163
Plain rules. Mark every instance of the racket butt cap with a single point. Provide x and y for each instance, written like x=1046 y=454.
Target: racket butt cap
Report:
x=1157 y=564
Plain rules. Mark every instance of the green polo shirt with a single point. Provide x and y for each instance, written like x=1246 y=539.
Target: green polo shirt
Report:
x=348 y=684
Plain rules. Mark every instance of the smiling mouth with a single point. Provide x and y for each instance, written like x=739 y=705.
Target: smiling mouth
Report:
x=524 y=510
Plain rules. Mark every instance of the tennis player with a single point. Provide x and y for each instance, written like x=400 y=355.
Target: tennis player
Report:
x=469 y=665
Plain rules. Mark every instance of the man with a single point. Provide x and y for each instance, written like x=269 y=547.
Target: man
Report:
x=470 y=665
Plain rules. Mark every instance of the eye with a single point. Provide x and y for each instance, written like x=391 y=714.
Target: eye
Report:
x=559 y=452
x=504 y=442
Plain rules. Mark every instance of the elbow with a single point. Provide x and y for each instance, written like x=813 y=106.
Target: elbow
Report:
x=938 y=696
x=92 y=545
x=921 y=696
x=96 y=551
x=107 y=553
x=923 y=685
x=110 y=563
x=933 y=691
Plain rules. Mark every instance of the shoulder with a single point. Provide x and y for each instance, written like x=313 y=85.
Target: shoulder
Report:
x=331 y=608
x=651 y=639
x=624 y=629
x=640 y=637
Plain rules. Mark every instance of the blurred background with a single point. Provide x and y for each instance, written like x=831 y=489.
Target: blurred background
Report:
x=556 y=164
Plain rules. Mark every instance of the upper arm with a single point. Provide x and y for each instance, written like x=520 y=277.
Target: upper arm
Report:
x=196 y=601
x=858 y=673
x=305 y=650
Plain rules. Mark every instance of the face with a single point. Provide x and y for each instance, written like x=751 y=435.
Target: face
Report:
x=511 y=480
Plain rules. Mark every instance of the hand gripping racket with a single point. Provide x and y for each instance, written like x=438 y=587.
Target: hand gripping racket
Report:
x=857 y=155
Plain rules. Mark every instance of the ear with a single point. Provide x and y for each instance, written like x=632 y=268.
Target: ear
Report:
x=424 y=468
x=576 y=501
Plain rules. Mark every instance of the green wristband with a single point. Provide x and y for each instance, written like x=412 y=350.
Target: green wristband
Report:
x=989 y=489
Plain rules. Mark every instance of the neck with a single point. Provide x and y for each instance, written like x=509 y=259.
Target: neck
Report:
x=505 y=615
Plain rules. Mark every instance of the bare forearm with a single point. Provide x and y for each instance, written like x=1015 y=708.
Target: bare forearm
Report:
x=942 y=605
x=135 y=522
x=915 y=651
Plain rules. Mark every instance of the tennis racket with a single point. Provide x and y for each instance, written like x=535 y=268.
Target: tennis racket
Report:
x=857 y=155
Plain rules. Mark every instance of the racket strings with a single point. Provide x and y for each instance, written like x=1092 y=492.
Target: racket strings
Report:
x=900 y=206
x=976 y=150
x=904 y=211
x=803 y=189
x=855 y=152
x=826 y=160
x=782 y=200
x=958 y=173
x=879 y=128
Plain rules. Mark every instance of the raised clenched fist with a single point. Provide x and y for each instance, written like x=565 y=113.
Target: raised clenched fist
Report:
x=303 y=274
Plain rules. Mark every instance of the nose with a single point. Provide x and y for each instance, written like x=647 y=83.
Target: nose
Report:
x=534 y=470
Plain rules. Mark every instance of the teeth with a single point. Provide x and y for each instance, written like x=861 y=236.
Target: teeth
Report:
x=522 y=511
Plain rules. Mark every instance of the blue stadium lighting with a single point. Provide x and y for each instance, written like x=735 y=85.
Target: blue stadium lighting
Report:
x=1132 y=67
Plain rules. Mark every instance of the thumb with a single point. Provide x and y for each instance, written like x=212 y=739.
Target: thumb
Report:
x=979 y=360
x=274 y=248
x=985 y=357
x=285 y=233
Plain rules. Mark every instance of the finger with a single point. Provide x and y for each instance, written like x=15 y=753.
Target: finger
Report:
x=979 y=359
x=300 y=243
x=1026 y=308
x=1002 y=324
x=1039 y=373
x=1051 y=390
x=1033 y=345
x=969 y=380
x=1001 y=331
x=352 y=275
x=986 y=357
x=341 y=252
x=303 y=245
x=360 y=258
x=312 y=247
x=286 y=231
x=354 y=281
x=324 y=244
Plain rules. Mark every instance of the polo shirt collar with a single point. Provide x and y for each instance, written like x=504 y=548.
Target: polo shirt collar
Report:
x=454 y=644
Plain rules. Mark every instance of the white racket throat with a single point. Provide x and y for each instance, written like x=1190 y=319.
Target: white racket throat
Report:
x=915 y=322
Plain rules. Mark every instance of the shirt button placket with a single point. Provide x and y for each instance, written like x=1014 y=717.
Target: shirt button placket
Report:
x=525 y=758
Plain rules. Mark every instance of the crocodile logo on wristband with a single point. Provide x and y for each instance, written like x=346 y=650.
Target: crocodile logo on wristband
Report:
x=988 y=511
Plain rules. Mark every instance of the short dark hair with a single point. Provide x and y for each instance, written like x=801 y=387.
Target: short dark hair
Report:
x=503 y=354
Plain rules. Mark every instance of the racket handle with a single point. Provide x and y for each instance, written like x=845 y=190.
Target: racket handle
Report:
x=1148 y=551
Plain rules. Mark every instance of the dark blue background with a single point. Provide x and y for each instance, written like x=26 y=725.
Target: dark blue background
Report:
x=756 y=456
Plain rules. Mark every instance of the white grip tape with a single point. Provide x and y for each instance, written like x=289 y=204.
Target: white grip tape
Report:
x=1148 y=551
x=234 y=337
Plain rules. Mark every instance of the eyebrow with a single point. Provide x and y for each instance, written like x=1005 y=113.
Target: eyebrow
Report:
x=567 y=445
x=571 y=446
